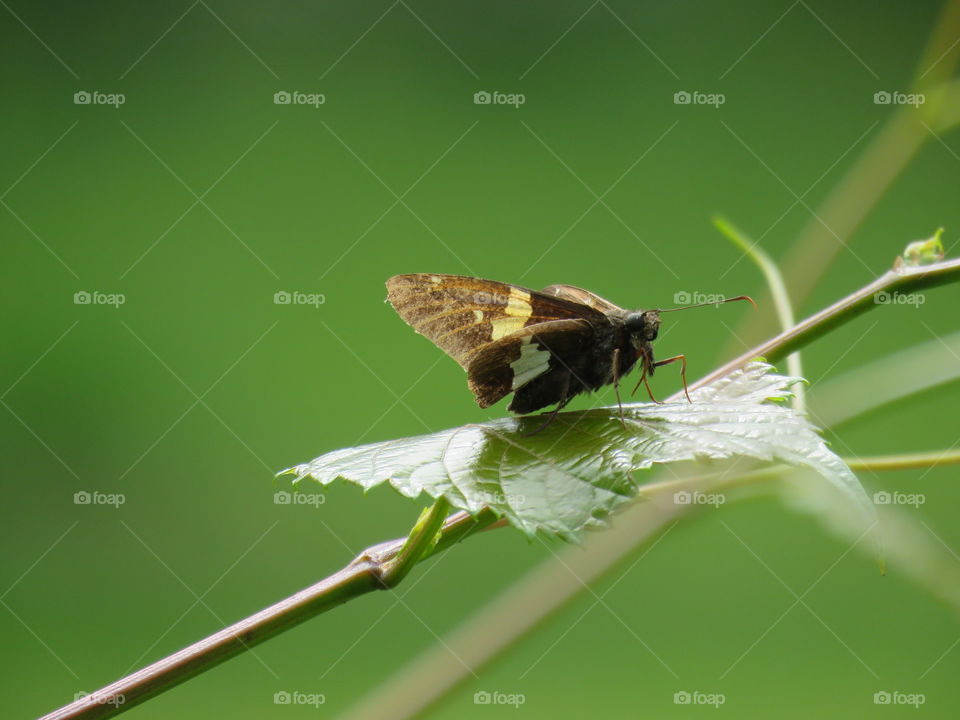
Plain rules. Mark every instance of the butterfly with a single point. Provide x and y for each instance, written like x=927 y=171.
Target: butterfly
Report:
x=546 y=347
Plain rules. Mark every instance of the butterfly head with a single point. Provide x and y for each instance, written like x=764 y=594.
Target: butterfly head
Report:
x=643 y=325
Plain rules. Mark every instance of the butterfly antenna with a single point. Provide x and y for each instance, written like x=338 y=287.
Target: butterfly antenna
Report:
x=719 y=302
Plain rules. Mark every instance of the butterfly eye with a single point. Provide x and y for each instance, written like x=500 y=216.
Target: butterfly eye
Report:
x=651 y=324
x=635 y=322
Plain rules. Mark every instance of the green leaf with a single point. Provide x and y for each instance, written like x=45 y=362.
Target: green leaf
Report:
x=578 y=470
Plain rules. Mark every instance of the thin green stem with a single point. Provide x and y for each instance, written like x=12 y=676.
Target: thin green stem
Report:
x=418 y=544
x=905 y=461
x=732 y=481
x=778 y=290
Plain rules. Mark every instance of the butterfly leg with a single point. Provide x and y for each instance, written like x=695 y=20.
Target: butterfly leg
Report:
x=683 y=371
x=616 y=384
x=645 y=381
x=645 y=356
x=644 y=377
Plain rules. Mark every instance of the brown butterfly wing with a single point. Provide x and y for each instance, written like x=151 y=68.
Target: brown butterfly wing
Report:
x=462 y=315
x=583 y=297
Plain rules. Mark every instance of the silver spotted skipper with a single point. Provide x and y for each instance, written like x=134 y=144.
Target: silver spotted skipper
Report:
x=545 y=347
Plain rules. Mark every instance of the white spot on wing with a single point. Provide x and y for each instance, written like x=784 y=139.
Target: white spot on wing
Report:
x=478 y=314
x=532 y=363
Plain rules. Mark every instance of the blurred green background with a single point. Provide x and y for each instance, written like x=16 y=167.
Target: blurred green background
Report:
x=199 y=198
